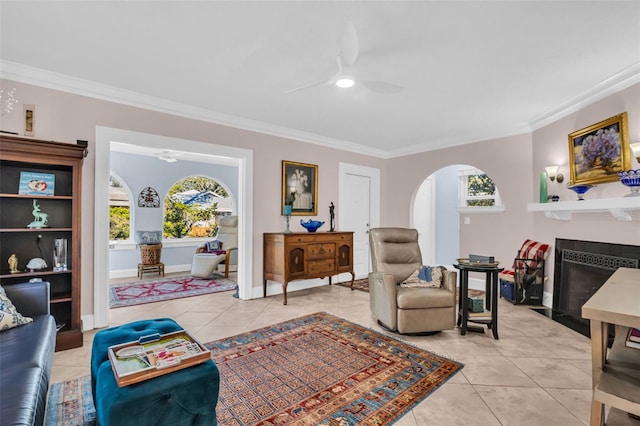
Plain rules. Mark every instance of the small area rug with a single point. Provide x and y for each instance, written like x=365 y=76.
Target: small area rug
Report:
x=362 y=285
x=314 y=370
x=139 y=292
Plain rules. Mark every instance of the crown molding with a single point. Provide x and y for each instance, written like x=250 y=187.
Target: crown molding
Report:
x=497 y=133
x=620 y=81
x=62 y=82
x=65 y=83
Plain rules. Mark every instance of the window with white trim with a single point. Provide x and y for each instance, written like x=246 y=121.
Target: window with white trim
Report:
x=119 y=210
x=477 y=190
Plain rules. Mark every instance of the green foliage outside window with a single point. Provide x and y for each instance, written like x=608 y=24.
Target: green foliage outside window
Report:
x=119 y=216
x=195 y=220
x=119 y=227
x=480 y=186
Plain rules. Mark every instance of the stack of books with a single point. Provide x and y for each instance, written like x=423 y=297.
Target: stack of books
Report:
x=633 y=338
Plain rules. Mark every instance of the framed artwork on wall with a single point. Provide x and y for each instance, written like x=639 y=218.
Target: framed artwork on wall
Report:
x=300 y=188
x=598 y=152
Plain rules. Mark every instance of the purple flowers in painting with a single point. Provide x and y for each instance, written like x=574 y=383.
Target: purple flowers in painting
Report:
x=600 y=148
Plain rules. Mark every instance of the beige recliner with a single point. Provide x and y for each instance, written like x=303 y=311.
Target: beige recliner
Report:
x=204 y=264
x=395 y=255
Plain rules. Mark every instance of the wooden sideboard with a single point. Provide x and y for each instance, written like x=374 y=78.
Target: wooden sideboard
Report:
x=304 y=255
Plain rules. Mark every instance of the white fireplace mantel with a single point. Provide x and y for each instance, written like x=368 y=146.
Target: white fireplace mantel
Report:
x=620 y=208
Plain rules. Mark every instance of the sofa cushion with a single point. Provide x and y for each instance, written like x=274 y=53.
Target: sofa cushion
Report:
x=27 y=357
x=148 y=237
x=9 y=315
x=213 y=245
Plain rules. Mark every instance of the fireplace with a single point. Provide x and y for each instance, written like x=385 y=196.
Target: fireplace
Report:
x=580 y=269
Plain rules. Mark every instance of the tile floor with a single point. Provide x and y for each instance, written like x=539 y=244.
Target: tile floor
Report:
x=538 y=373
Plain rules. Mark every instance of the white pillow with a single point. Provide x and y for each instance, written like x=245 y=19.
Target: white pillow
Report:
x=414 y=281
x=9 y=316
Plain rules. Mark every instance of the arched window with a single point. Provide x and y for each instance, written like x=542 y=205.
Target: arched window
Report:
x=119 y=210
x=477 y=189
x=192 y=205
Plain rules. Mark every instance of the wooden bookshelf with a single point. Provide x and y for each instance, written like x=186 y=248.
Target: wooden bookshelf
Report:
x=64 y=162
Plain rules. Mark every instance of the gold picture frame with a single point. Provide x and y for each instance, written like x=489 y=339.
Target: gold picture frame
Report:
x=300 y=188
x=598 y=152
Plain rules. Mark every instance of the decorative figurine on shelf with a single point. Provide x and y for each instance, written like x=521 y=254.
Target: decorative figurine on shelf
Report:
x=332 y=217
x=40 y=218
x=13 y=264
x=36 y=264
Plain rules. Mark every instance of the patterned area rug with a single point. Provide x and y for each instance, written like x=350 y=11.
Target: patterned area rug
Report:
x=315 y=370
x=362 y=285
x=139 y=292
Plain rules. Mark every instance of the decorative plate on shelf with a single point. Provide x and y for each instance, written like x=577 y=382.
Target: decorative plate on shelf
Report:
x=465 y=261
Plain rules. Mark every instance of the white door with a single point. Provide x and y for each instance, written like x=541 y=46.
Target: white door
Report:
x=359 y=210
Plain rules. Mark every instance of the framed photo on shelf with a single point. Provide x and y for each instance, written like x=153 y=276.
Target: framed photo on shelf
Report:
x=598 y=152
x=300 y=188
x=32 y=183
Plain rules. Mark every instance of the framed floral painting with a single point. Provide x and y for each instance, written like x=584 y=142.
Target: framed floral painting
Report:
x=598 y=152
x=299 y=188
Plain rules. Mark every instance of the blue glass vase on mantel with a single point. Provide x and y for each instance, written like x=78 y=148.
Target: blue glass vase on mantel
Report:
x=580 y=190
x=631 y=179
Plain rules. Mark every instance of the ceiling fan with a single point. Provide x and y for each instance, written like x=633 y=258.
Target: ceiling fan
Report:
x=168 y=156
x=348 y=50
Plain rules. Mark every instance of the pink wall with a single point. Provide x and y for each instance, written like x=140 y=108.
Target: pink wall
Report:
x=67 y=117
x=552 y=147
x=513 y=162
x=506 y=160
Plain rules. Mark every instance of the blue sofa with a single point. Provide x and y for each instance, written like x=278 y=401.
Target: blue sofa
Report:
x=26 y=356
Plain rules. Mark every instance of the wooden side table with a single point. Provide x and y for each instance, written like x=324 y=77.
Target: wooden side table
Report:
x=157 y=267
x=490 y=315
x=616 y=376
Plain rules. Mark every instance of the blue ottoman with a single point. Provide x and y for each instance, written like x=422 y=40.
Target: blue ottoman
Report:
x=184 y=397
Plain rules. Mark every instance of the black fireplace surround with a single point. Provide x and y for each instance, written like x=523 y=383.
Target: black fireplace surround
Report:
x=580 y=269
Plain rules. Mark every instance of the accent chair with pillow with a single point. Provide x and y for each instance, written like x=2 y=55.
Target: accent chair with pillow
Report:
x=404 y=295
x=223 y=250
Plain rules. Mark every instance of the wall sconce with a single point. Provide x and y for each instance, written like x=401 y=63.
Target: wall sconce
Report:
x=635 y=150
x=552 y=172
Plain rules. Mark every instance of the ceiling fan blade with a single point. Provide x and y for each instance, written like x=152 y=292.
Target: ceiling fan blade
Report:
x=349 y=45
x=382 y=86
x=309 y=86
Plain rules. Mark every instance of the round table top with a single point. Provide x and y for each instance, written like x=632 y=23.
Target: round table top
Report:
x=479 y=267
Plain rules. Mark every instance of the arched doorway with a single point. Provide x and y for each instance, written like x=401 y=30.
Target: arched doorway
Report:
x=439 y=201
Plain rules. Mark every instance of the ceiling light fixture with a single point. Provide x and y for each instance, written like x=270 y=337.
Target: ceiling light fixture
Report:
x=345 y=82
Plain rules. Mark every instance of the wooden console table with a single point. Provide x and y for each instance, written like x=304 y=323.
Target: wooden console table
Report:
x=616 y=377
x=305 y=255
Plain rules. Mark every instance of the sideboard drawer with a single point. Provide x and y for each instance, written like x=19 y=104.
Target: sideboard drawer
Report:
x=322 y=251
x=324 y=266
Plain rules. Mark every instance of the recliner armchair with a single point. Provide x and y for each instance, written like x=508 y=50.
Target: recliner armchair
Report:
x=395 y=256
x=205 y=263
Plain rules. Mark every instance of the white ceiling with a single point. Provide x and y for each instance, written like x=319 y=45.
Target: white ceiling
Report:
x=468 y=70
